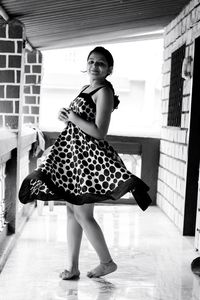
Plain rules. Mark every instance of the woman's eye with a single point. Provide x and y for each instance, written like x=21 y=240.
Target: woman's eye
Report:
x=98 y=63
x=101 y=64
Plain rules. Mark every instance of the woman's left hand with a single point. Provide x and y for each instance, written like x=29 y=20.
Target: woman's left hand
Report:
x=71 y=116
x=64 y=114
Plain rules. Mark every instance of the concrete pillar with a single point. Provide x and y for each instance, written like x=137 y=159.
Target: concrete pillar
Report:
x=14 y=62
x=20 y=78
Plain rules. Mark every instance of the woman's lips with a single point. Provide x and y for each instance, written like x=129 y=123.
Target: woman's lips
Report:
x=94 y=72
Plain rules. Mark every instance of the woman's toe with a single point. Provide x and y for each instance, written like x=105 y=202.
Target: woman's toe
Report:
x=102 y=269
x=66 y=275
x=90 y=274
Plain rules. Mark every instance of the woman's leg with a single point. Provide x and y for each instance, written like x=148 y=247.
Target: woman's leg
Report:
x=74 y=237
x=84 y=215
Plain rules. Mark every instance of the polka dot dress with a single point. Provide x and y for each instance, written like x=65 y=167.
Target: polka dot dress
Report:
x=79 y=168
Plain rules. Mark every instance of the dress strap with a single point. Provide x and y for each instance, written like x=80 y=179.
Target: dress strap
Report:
x=84 y=88
x=94 y=91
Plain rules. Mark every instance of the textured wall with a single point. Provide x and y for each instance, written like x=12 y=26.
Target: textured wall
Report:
x=20 y=77
x=32 y=82
x=174 y=140
x=11 y=45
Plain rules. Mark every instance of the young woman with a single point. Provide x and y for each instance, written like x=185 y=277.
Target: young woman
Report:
x=82 y=168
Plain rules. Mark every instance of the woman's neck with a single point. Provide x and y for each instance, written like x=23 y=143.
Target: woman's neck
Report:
x=94 y=83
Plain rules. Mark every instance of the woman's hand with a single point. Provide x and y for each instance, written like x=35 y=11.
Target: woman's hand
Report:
x=63 y=114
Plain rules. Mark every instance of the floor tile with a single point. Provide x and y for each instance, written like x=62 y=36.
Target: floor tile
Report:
x=153 y=259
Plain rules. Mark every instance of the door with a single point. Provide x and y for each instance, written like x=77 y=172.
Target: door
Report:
x=192 y=175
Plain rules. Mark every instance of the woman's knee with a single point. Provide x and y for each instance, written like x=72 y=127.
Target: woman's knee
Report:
x=83 y=215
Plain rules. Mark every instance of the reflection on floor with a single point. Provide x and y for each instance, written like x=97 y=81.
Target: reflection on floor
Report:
x=153 y=259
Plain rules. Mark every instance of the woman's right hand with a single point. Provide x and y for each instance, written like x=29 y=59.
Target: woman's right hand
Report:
x=63 y=114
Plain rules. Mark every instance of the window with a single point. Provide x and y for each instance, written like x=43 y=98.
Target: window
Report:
x=176 y=88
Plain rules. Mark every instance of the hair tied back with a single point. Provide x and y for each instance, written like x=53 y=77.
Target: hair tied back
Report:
x=116 y=101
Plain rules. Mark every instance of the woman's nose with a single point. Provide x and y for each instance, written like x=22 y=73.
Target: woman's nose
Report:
x=95 y=64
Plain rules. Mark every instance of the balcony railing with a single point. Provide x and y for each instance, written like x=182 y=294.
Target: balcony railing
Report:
x=146 y=148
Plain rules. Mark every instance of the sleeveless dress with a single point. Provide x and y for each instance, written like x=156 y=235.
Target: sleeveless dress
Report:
x=80 y=168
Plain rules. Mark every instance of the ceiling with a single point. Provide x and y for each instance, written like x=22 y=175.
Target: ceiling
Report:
x=66 y=23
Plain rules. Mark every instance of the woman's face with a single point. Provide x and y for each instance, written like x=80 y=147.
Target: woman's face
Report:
x=97 y=66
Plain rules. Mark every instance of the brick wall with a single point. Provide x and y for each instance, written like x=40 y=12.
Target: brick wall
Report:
x=11 y=45
x=174 y=140
x=32 y=87
x=14 y=62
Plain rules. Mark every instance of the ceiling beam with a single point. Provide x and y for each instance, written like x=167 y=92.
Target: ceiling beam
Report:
x=4 y=14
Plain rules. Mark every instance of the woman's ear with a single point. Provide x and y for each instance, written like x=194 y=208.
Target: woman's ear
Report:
x=110 y=69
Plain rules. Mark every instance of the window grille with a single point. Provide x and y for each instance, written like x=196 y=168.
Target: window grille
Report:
x=176 y=88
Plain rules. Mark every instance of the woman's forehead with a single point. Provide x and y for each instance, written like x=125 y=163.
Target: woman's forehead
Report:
x=97 y=55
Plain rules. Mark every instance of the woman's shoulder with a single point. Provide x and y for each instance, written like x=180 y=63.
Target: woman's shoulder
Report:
x=100 y=91
x=104 y=95
x=105 y=89
x=110 y=91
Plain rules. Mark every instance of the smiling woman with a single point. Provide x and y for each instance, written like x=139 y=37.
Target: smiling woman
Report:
x=82 y=168
x=87 y=120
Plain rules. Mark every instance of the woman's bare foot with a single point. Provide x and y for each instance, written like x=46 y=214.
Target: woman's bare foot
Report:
x=103 y=269
x=69 y=275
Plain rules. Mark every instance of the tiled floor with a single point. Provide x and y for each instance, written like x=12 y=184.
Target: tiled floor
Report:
x=153 y=259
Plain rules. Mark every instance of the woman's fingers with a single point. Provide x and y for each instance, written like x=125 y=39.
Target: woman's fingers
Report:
x=63 y=114
x=62 y=117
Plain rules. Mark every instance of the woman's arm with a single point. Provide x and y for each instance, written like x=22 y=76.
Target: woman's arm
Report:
x=104 y=105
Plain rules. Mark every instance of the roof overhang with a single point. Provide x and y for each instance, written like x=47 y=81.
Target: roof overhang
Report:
x=54 y=24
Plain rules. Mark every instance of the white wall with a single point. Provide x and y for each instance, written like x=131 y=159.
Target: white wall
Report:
x=136 y=79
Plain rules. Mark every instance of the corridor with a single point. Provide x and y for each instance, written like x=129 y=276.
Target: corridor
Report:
x=153 y=259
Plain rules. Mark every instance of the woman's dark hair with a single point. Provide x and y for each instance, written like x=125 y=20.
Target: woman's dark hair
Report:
x=109 y=58
x=105 y=53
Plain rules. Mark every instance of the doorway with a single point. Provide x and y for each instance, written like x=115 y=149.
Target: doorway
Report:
x=192 y=175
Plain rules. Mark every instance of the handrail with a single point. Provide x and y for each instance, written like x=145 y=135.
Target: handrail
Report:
x=8 y=141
